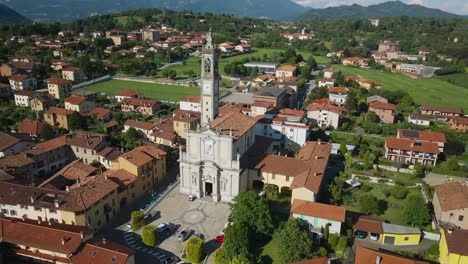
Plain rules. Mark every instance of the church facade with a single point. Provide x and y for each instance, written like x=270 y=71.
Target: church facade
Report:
x=211 y=163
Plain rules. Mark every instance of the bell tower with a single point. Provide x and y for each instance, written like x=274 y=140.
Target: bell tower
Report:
x=210 y=81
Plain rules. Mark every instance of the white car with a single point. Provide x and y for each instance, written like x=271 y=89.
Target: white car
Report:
x=374 y=237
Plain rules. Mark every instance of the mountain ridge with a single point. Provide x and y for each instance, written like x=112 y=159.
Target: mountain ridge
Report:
x=10 y=16
x=385 y=9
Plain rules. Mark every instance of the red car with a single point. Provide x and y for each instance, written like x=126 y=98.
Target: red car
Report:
x=220 y=239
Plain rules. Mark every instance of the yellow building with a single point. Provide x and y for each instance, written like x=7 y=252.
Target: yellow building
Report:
x=57 y=117
x=400 y=235
x=453 y=246
x=42 y=102
x=58 y=87
x=185 y=120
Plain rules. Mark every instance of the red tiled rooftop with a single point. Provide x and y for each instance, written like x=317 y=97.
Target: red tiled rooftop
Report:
x=411 y=144
x=57 y=81
x=324 y=211
x=75 y=100
x=324 y=107
x=383 y=106
x=338 y=90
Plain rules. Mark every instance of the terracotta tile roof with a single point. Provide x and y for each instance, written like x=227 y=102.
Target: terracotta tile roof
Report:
x=4 y=176
x=418 y=116
x=326 y=80
x=110 y=153
x=164 y=135
x=7 y=141
x=194 y=99
x=165 y=125
x=411 y=144
x=338 y=90
x=324 y=211
x=121 y=177
x=25 y=93
x=443 y=109
x=59 y=111
x=139 y=124
x=4 y=85
x=452 y=195
x=324 y=107
x=72 y=69
x=100 y=112
x=19 y=77
x=457 y=241
x=369 y=224
x=234 y=123
x=143 y=155
x=57 y=81
x=31 y=127
x=128 y=93
x=322 y=260
x=111 y=123
x=185 y=116
x=103 y=251
x=381 y=105
x=330 y=70
x=87 y=140
x=43 y=236
x=269 y=92
x=50 y=145
x=262 y=104
x=369 y=256
x=422 y=135
x=16 y=161
x=68 y=175
x=291 y=112
x=286 y=67
x=75 y=100
x=323 y=101
x=460 y=120
x=140 y=102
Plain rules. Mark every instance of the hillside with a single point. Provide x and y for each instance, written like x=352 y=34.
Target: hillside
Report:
x=67 y=10
x=387 y=9
x=10 y=16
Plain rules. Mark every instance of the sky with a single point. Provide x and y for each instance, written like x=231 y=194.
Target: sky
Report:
x=454 y=6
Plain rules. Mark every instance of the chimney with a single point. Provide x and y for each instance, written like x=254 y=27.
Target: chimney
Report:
x=32 y=198
x=82 y=234
x=67 y=188
x=104 y=241
x=450 y=230
x=64 y=240
x=56 y=203
x=378 y=260
x=105 y=177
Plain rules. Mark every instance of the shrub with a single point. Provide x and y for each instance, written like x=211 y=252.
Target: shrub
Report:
x=195 y=250
x=369 y=205
x=150 y=235
x=322 y=252
x=342 y=244
x=399 y=192
x=433 y=251
x=386 y=192
x=333 y=240
x=218 y=255
x=366 y=188
x=137 y=220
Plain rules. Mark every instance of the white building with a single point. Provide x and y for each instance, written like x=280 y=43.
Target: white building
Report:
x=338 y=95
x=263 y=67
x=23 y=98
x=13 y=144
x=419 y=119
x=190 y=103
x=318 y=215
x=324 y=115
x=22 y=82
x=328 y=73
x=211 y=165
x=327 y=82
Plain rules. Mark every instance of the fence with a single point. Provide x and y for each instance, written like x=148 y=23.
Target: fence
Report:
x=395 y=169
x=82 y=84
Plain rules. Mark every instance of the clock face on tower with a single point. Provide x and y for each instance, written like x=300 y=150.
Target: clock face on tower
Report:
x=206 y=88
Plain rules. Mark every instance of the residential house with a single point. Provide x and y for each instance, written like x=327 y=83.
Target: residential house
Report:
x=243 y=48
x=459 y=124
x=385 y=111
x=79 y=104
x=375 y=21
x=58 y=87
x=298 y=36
x=386 y=233
x=286 y=71
x=184 y=121
x=5 y=91
x=127 y=94
x=264 y=80
x=72 y=73
x=144 y=106
x=366 y=255
x=328 y=72
x=102 y=114
x=326 y=82
x=117 y=39
x=419 y=119
x=319 y=215
x=263 y=67
x=23 y=98
x=11 y=144
x=376 y=98
x=372 y=226
x=451 y=204
x=324 y=115
x=416 y=70
x=58 y=117
x=304 y=175
x=427 y=136
x=364 y=83
x=50 y=242
x=389 y=45
x=411 y=151
x=42 y=101
x=272 y=95
x=259 y=108
x=190 y=103
x=108 y=155
x=143 y=128
x=150 y=34
x=31 y=127
x=89 y=95
x=22 y=82
x=338 y=95
x=86 y=145
x=356 y=61
x=452 y=246
x=441 y=112
x=164 y=133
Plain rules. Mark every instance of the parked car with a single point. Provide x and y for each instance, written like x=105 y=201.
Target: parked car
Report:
x=183 y=235
x=163 y=228
x=374 y=237
x=220 y=239
x=129 y=225
x=361 y=234
x=170 y=260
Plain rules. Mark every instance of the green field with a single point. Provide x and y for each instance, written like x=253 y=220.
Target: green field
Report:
x=194 y=62
x=460 y=79
x=424 y=91
x=151 y=90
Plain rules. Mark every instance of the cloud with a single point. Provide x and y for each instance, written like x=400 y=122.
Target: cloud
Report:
x=416 y=2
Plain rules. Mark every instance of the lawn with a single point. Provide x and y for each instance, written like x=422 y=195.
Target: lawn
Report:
x=424 y=91
x=460 y=79
x=269 y=251
x=194 y=62
x=151 y=90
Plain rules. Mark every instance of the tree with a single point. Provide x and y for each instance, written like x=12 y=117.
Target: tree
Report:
x=294 y=243
x=238 y=241
x=219 y=256
x=348 y=160
x=416 y=212
x=351 y=102
x=342 y=244
x=326 y=232
x=399 y=192
x=336 y=191
x=254 y=211
x=47 y=132
x=137 y=220
x=369 y=205
x=368 y=160
x=150 y=235
x=195 y=250
x=343 y=149
x=312 y=62
x=240 y=260
x=76 y=121
x=373 y=117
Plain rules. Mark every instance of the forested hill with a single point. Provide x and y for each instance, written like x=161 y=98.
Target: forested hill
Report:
x=10 y=16
x=387 y=9
x=67 y=10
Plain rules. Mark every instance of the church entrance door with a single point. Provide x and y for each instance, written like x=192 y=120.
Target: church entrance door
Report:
x=208 y=188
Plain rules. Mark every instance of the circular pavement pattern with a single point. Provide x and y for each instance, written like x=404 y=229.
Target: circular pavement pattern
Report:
x=194 y=216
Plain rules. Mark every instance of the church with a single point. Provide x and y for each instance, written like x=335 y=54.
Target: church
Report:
x=212 y=163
